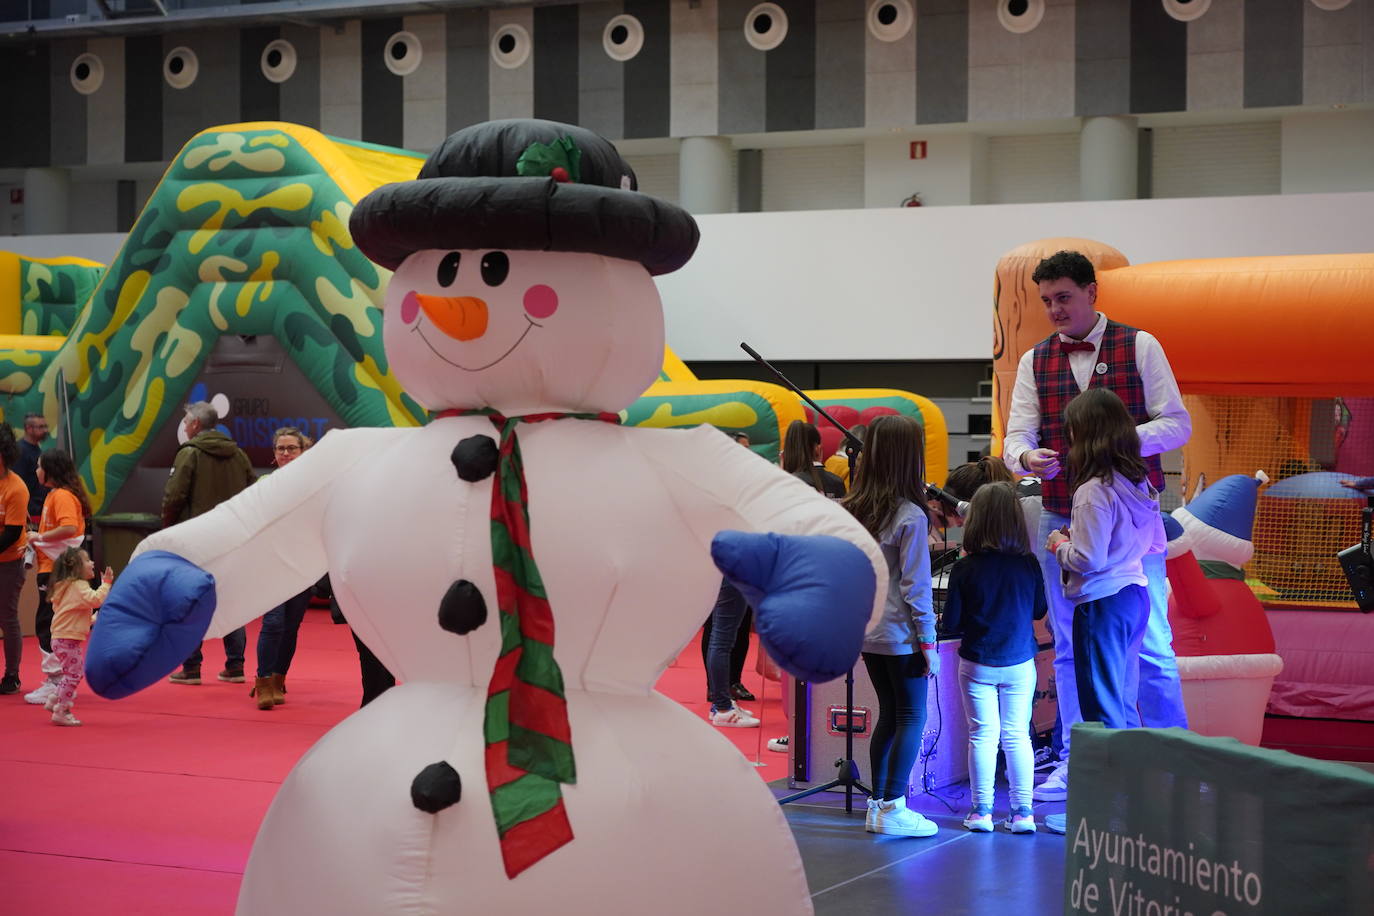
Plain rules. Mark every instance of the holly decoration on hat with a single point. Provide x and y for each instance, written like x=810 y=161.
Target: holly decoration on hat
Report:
x=560 y=160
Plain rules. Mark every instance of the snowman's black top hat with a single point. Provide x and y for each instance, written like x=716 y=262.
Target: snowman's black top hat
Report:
x=524 y=184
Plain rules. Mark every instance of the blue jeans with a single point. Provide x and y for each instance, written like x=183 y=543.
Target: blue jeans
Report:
x=277 y=638
x=725 y=620
x=235 y=644
x=1106 y=641
x=1152 y=680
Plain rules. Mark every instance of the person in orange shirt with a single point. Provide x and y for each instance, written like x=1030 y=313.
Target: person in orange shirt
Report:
x=14 y=515
x=61 y=525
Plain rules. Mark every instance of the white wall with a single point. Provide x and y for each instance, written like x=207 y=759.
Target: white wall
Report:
x=916 y=283
x=1218 y=160
x=947 y=176
x=1331 y=151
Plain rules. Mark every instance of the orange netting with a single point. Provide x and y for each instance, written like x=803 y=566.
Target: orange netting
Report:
x=1301 y=526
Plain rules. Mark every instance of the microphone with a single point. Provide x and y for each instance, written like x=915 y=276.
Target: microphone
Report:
x=951 y=501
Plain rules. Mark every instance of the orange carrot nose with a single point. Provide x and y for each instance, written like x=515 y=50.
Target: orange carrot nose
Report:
x=460 y=317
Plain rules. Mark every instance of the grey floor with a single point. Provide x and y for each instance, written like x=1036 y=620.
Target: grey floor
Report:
x=954 y=872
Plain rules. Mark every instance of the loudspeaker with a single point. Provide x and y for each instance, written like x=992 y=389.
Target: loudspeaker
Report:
x=944 y=746
x=1359 y=572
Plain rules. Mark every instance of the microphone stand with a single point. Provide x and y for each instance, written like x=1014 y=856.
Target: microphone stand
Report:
x=847 y=774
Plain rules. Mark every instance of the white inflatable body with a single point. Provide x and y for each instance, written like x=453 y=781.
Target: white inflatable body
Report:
x=666 y=814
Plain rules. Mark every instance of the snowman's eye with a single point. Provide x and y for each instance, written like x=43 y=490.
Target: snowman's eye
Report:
x=448 y=269
x=495 y=266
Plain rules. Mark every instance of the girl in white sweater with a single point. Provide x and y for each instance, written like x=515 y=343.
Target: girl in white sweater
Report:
x=1114 y=523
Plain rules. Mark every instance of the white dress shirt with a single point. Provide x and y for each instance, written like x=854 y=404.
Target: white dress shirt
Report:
x=1169 y=425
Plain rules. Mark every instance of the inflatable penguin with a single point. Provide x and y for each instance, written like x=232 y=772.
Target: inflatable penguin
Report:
x=526 y=566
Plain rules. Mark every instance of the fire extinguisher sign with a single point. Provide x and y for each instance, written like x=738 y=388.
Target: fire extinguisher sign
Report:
x=918 y=149
x=16 y=195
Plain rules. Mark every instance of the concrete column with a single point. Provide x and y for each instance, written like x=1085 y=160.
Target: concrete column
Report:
x=45 y=201
x=1108 y=159
x=749 y=177
x=704 y=175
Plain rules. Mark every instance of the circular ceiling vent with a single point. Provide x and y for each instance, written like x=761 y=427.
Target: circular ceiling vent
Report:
x=278 y=60
x=180 y=67
x=1331 y=5
x=510 y=46
x=890 y=20
x=87 y=73
x=403 y=53
x=765 y=26
x=623 y=37
x=1186 y=10
x=1020 y=16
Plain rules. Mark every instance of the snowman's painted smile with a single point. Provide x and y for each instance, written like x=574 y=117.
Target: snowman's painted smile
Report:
x=529 y=326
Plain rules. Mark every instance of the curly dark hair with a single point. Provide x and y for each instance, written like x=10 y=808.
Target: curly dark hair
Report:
x=1071 y=264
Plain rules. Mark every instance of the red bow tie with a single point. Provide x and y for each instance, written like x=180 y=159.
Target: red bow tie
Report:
x=1080 y=346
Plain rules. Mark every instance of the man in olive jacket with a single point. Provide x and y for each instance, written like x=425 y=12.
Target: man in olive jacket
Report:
x=209 y=468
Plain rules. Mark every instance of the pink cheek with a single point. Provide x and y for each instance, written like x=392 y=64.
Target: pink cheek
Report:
x=410 y=308
x=541 y=301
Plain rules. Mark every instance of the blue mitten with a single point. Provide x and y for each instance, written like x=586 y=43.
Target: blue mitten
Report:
x=154 y=617
x=811 y=594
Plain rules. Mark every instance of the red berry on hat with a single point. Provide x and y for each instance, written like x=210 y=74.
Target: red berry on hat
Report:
x=560 y=174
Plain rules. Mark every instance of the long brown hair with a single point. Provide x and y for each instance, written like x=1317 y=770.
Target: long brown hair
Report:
x=1102 y=439
x=799 y=450
x=893 y=471
x=60 y=471
x=995 y=523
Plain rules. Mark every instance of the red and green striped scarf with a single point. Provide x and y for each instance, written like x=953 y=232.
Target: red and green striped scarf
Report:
x=528 y=741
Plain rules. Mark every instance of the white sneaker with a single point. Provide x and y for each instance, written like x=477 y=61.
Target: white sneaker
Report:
x=41 y=695
x=62 y=715
x=871 y=819
x=778 y=744
x=1020 y=820
x=1056 y=785
x=894 y=818
x=733 y=718
x=979 y=820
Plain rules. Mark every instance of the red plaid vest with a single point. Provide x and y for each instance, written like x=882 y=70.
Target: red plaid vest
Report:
x=1055 y=384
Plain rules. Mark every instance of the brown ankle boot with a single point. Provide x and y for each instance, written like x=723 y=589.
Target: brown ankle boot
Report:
x=279 y=689
x=265 y=691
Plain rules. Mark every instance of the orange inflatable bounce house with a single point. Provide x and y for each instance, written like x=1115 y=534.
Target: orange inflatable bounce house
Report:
x=1265 y=350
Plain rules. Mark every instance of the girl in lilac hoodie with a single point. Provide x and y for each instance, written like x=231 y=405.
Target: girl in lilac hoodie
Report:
x=1114 y=523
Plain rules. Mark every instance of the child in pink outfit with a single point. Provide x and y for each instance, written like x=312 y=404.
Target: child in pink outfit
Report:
x=73 y=603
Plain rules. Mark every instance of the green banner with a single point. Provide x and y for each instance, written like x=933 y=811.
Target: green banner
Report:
x=1163 y=822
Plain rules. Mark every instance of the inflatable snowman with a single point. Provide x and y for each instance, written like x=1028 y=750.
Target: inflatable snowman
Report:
x=524 y=565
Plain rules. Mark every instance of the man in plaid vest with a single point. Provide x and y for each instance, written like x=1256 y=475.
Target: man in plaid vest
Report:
x=1088 y=350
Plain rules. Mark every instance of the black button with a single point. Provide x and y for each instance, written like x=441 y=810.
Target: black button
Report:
x=475 y=458
x=436 y=788
x=463 y=608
